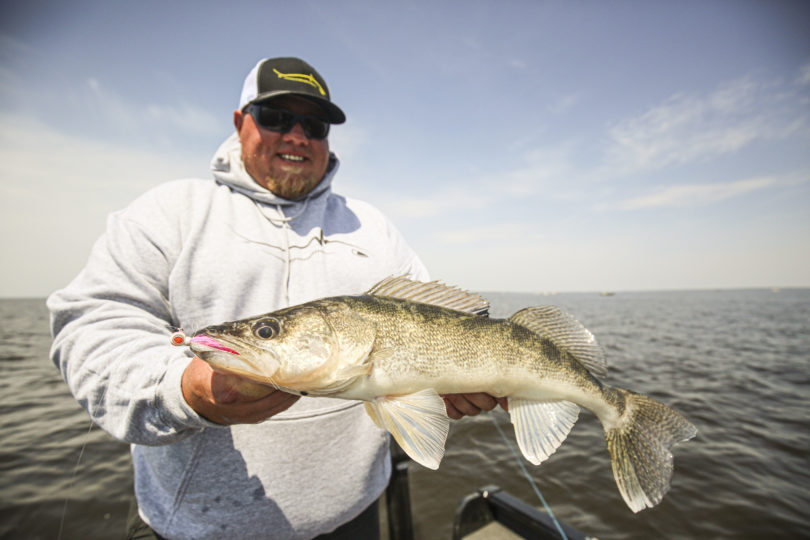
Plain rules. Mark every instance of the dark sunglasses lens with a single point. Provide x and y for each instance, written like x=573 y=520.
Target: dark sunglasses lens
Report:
x=314 y=128
x=274 y=119
x=283 y=121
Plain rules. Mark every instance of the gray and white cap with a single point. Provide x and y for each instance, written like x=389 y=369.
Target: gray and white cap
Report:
x=273 y=77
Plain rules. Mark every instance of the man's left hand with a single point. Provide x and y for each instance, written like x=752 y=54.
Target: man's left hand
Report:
x=461 y=405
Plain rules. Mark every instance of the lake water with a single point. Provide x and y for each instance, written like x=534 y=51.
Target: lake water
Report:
x=736 y=363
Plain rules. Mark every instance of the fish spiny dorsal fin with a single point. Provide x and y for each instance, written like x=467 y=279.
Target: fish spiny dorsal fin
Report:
x=566 y=333
x=433 y=293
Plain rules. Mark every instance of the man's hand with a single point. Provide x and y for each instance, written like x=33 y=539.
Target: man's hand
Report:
x=228 y=399
x=460 y=405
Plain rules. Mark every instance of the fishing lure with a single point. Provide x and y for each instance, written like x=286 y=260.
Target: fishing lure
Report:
x=179 y=339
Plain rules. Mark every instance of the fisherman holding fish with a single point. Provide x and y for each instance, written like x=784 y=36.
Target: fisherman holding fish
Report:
x=216 y=456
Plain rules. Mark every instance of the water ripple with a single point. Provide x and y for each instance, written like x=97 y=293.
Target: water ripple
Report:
x=734 y=362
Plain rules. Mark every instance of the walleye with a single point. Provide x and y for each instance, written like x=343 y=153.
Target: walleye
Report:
x=403 y=343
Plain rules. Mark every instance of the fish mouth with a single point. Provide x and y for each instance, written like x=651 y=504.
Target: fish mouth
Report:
x=217 y=353
x=203 y=343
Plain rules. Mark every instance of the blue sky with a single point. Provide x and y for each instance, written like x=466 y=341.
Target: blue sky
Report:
x=519 y=146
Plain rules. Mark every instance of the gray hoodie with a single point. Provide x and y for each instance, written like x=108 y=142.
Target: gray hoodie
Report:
x=191 y=253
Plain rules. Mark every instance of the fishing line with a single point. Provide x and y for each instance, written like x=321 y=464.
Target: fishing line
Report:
x=76 y=467
x=73 y=479
x=526 y=474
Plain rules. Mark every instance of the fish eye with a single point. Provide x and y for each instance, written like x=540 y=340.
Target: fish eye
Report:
x=266 y=329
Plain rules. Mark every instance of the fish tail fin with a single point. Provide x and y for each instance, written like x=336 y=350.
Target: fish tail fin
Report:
x=639 y=444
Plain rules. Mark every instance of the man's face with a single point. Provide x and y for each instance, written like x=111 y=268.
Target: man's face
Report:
x=288 y=164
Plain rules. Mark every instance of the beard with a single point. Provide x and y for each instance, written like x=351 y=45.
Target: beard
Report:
x=291 y=185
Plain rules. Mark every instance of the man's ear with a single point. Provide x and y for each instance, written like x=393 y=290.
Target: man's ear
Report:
x=238 y=119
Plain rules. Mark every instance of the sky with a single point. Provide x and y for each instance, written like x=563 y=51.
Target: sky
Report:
x=527 y=146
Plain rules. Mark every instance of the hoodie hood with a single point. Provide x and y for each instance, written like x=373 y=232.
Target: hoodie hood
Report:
x=228 y=169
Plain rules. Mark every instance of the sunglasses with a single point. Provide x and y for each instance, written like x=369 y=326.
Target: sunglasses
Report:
x=282 y=121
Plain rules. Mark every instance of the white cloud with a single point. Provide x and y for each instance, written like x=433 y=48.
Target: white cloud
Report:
x=682 y=130
x=541 y=168
x=149 y=119
x=517 y=63
x=446 y=200
x=685 y=129
x=565 y=103
x=37 y=157
x=90 y=105
x=55 y=193
x=347 y=140
x=693 y=194
x=803 y=78
x=691 y=128
x=549 y=165
x=487 y=235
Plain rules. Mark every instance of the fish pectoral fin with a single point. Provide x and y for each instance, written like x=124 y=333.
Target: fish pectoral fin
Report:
x=382 y=353
x=417 y=421
x=541 y=426
x=352 y=372
x=346 y=376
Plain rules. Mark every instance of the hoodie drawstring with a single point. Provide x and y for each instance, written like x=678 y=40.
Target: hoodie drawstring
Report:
x=283 y=222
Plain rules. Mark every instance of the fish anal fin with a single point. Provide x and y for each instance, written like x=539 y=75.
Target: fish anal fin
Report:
x=566 y=333
x=541 y=426
x=417 y=421
x=433 y=293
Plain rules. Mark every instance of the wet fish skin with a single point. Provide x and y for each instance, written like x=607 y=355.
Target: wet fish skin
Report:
x=403 y=343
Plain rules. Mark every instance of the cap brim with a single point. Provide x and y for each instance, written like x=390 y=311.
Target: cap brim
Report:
x=333 y=112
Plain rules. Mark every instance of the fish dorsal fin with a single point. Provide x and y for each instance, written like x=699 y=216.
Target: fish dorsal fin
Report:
x=566 y=333
x=433 y=293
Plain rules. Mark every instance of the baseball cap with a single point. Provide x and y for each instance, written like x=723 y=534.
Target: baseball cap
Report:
x=273 y=77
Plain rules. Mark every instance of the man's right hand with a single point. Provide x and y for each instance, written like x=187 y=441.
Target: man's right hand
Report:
x=229 y=399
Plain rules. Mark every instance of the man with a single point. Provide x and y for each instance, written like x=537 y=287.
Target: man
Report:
x=209 y=461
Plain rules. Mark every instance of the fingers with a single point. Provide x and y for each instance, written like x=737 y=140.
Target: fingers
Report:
x=231 y=389
x=226 y=399
x=460 y=405
x=253 y=412
x=452 y=411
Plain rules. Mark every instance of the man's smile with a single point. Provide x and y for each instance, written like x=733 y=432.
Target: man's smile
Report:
x=292 y=157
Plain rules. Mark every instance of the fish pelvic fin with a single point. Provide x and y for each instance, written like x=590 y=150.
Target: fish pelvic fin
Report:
x=566 y=333
x=639 y=449
x=417 y=421
x=434 y=293
x=541 y=426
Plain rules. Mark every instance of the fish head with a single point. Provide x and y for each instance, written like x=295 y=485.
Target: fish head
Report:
x=293 y=349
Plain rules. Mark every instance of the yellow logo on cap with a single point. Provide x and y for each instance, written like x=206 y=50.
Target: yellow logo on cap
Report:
x=300 y=77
